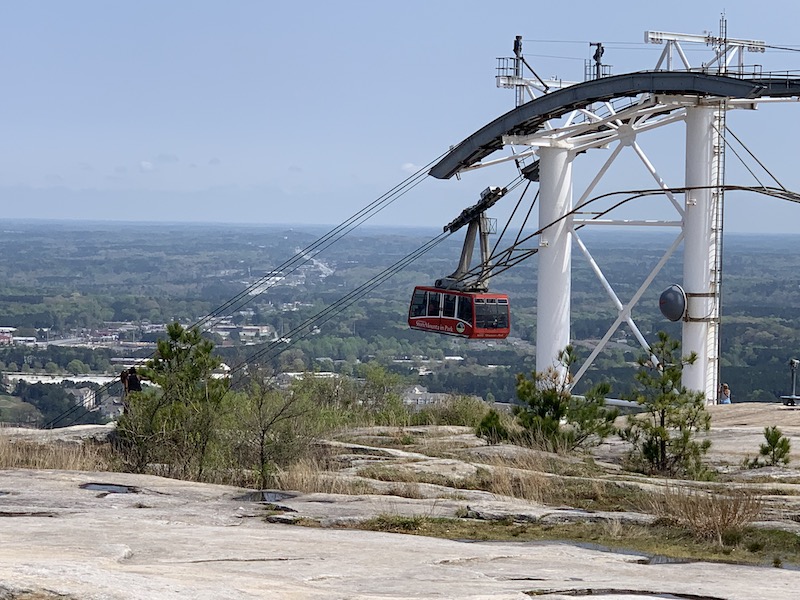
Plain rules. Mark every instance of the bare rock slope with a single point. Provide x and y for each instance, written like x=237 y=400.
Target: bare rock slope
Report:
x=79 y=535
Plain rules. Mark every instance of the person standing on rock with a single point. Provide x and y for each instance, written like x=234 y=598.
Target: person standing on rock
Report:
x=134 y=383
x=725 y=394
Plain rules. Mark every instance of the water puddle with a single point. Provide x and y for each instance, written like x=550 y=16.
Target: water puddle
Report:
x=617 y=593
x=265 y=496
x=110 y=488
x=26 y=513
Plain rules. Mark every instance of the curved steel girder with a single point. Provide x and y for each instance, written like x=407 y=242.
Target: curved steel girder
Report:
x=530 y=117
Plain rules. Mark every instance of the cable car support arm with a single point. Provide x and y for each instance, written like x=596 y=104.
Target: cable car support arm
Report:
x=478 y=225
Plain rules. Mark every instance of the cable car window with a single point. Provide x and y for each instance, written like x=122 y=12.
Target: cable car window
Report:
x=481 y=314
x=491 y=315
x=418 y=303
x=434 y=300
x=449 y=306
x=502 y=316
x=465 y=308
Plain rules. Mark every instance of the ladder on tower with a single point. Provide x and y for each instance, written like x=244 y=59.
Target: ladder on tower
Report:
x=717 y=221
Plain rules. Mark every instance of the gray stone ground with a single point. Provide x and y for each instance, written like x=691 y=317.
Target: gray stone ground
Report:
x=169 y=539
x=174 y=539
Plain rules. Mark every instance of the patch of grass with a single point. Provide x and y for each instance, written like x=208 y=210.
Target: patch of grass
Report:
x=504 y=482
x=755 y=547
x=405 y=490
x=585 y=494
x=707 y=515
x=593 y=494
x=310 y=476
x=406 y=439
x=534 y=486
x=17 y=454
x=458 y=410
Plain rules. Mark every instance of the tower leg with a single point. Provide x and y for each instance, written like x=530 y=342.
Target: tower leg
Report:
x=554 y=258
x=700 y=329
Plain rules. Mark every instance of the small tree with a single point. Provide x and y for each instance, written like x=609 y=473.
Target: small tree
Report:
x=777 y=447
x=269 y=428
x=664 y=437
x=552 y=417
x=174 y=425
x=492 y=429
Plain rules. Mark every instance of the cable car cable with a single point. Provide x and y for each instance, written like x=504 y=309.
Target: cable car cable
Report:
x=340 y=305
x=319 y=319
x=315 y=248
x=499 y=266
x=300 y=258
x=775 y=179
x=349 y=299
x=511 y=218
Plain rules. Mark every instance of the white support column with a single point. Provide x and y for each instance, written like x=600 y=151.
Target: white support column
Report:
x=555 y=256
x=699 y=252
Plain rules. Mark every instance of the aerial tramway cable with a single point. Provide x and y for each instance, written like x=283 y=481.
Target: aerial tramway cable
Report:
x=306 y=328
x=503 y=260
x=754 y=157
x=345 y=302
x=295 y=262
x=315 y=248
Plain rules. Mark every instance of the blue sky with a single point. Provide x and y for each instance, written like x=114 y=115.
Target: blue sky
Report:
x=277 y=112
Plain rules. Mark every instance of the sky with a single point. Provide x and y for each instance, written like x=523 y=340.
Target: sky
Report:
x=305 y=112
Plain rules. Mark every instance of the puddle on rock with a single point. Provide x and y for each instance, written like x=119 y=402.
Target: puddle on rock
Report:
x=617 y=593
x=265 y=496
x=25 y=513
x=110 y=488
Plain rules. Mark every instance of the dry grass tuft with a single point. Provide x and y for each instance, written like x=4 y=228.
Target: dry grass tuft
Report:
x=16 y=454
x=515 y=483
x=408 y=489
x=310 y=476
x=707 y=515
x=501 y=481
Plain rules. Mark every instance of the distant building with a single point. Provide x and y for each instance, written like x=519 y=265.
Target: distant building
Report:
x=86 y=397
x=56 y=379
x=418 y=396
x=285 y=379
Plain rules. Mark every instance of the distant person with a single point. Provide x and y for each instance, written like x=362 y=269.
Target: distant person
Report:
x=134 y=383
x=123 y=379
x=725 y=394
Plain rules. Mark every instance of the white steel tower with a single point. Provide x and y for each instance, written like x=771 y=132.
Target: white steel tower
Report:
x=556 y=121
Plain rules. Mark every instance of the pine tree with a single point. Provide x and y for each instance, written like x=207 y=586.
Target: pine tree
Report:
x=664 y=436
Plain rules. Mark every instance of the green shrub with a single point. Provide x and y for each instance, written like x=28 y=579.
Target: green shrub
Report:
x=467 y=411
x=777 y=447
x=553 y=419
x=492 y=429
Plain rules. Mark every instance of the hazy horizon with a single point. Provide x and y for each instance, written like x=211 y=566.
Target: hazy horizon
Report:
x=304 y=113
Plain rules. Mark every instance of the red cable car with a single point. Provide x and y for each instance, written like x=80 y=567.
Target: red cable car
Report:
x=459 y=303
x=474 y=315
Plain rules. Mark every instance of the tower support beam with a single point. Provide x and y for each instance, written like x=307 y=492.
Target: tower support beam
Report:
x=700 y=327
x=555 y=257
